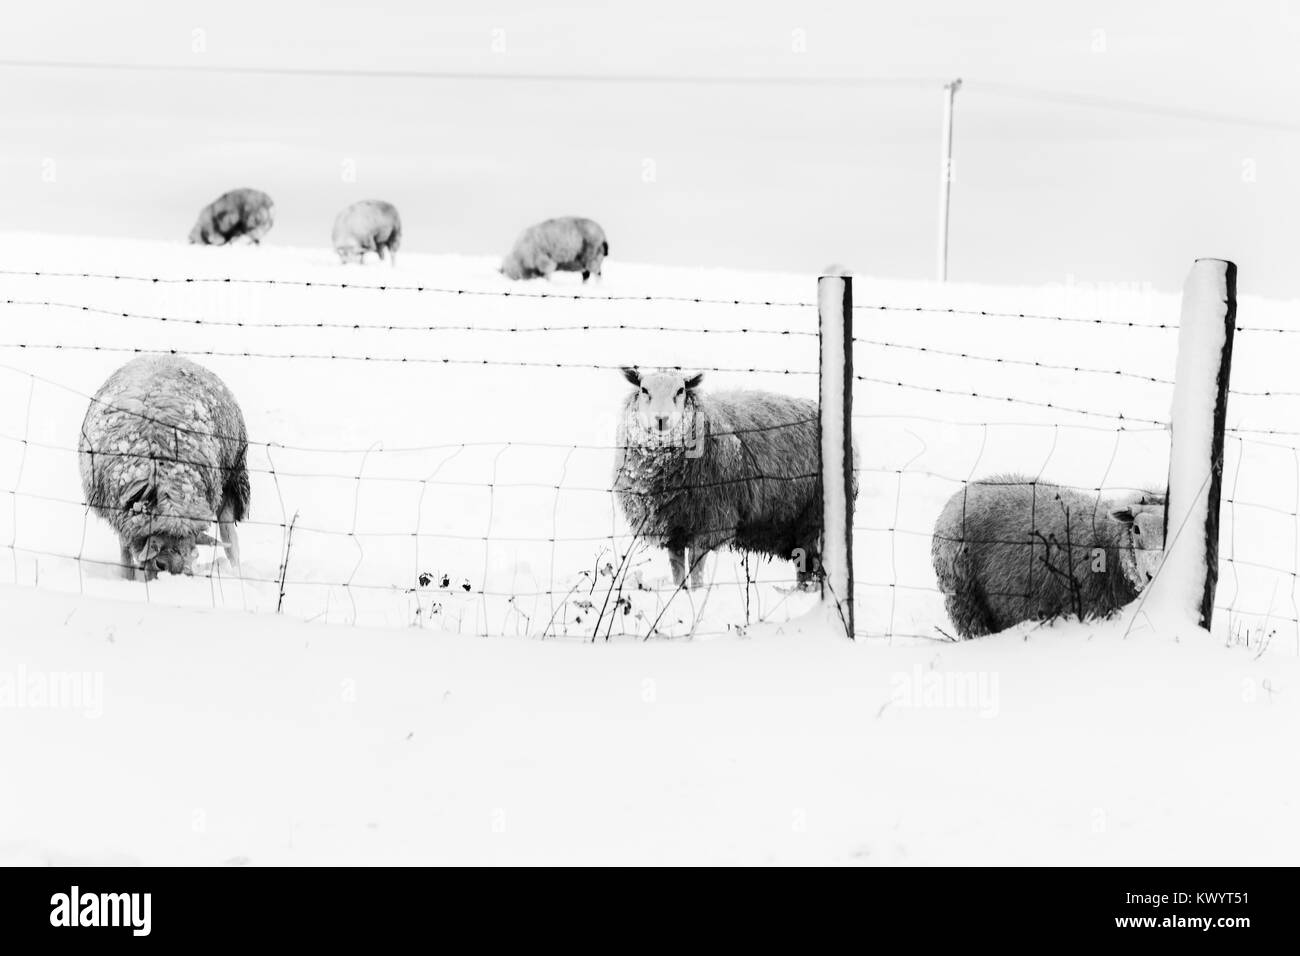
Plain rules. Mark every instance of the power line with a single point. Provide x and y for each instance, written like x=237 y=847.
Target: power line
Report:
x=703 y=80
x=1092 y=101
x=1086 y=100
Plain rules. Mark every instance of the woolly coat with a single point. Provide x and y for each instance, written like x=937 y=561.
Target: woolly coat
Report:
x=240 y=212
x=371 y=225
x=163 y=449
x=1002 y=554
x=748 y=478
x=567 y=244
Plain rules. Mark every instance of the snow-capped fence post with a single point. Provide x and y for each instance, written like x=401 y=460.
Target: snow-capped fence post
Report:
x=1189 y=573
x=834 y=423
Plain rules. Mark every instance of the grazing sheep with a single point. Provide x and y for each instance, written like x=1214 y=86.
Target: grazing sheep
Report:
x=163 y=454
x=371 y=225
x=699 y=471
x=568 y=244
x=240 y=212
x=1008 y=549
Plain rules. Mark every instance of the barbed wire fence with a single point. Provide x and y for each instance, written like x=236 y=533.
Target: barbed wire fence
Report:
x=611 y=592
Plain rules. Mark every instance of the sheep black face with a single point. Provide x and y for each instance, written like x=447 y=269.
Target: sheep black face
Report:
x=662 y=398
x=1142 y=545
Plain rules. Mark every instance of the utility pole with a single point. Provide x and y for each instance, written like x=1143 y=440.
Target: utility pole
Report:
x=945 y=176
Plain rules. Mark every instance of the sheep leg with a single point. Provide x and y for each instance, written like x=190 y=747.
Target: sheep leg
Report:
x=229 y=539
x=128 y=566
x=677 y=561
x=698 y=555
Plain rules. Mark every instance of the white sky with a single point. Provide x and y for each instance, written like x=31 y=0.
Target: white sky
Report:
x=756 y=176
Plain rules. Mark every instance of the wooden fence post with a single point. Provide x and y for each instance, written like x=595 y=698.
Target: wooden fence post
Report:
x=835 y=417
x=1189 y=573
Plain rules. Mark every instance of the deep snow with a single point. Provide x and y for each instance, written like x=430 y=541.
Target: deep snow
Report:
x=231 y=734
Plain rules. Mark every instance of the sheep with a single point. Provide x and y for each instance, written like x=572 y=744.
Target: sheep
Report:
x=240 y=212
x=569 y=244
x=163 y=454
x=1008 y=549
x=697 y=471
x=371 y=225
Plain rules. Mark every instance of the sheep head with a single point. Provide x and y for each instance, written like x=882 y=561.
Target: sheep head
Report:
x=260 y=222
x=661 y=399
x=1142 y=541
x=174 y=554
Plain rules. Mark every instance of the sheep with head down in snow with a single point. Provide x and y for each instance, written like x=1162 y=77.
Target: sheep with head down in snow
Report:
x=698 y=471
x=163 y=456
x=240 y=212
x=371 y=225
x=1008 y=549
x=568 y=244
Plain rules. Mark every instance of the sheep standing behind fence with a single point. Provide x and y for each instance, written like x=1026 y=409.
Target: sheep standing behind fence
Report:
x=162 y=455
x=239 y=212
x=1009 y=549
x=697 y=471
x=367 y=226
x=567 y=244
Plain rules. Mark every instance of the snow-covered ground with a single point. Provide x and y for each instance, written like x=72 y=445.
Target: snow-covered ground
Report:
x=231 y=733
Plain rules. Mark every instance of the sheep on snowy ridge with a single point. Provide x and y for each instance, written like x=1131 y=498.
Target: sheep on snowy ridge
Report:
x=163 y=454
x=699 y=471
x=367 y=226
x=240 y=212
x=1009 y=549
x=568 y=244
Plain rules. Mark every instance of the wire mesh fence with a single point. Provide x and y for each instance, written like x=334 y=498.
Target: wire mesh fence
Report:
x=521 y=532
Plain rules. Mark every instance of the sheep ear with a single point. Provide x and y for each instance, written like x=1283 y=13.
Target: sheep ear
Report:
x=632 y=375
x=694 y=381
x=1123 y=515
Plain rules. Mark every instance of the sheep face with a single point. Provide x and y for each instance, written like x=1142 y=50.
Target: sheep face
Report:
x=1142 y=543
x=260 y=222
x=512 y=268
x=661 y=399
x=162 y=552
x=348 y=254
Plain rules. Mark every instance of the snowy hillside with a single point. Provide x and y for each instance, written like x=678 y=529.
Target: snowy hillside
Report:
x=445 y=468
